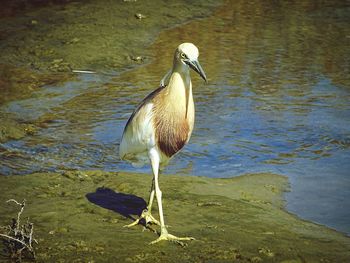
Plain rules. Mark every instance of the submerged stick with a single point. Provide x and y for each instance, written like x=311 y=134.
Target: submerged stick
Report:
x=84 y=71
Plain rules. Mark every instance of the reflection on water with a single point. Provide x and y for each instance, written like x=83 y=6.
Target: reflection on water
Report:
x=278 y=100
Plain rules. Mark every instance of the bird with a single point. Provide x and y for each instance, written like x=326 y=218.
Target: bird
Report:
x=160 y=126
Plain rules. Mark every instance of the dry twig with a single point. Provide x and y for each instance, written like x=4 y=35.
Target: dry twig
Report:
x=17 y=238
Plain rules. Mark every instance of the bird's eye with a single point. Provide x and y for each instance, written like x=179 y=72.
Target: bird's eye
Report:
x=183 y=55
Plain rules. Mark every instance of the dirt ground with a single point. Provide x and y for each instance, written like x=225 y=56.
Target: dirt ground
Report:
x=79 y=217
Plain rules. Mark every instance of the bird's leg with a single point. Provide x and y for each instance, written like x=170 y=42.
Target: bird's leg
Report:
x=146 y=213
x=164 y=235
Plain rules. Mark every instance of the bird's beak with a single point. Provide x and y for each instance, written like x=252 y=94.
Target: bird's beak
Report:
x=197 y=67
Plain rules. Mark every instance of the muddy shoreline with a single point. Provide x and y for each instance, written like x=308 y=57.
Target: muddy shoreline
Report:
x=41 y=44
x=79 y=217
x=100 y=36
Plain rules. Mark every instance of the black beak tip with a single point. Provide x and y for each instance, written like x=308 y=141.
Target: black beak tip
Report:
x=197 y=67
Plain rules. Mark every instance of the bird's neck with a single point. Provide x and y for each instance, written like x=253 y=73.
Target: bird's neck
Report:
x=180 y=87
x=181 y=70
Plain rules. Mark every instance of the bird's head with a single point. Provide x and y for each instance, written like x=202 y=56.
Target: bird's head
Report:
x=187 y=53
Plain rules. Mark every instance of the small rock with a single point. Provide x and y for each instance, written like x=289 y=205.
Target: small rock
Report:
x=137 y=58
x=140 y=16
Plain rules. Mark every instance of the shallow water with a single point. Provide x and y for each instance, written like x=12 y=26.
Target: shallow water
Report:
x=278 y=100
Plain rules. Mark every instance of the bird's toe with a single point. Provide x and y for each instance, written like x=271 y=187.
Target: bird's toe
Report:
x=172 y=238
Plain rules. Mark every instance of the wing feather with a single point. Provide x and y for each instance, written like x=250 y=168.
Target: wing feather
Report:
x=138 y=135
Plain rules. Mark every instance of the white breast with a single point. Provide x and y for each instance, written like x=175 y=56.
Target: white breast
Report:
x=138 y=137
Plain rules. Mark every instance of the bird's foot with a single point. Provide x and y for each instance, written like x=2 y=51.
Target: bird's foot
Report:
x=147 y=216
x=169 y=237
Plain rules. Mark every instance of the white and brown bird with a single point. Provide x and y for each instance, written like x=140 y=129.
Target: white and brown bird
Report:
x=161 y=125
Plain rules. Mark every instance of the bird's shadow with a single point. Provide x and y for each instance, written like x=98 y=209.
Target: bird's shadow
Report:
x=124 y=204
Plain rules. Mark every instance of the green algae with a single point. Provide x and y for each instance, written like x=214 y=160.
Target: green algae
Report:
x=79 y=217
x=20 y=83
x=12 y=129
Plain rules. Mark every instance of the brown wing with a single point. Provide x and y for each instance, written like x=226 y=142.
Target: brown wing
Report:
x=148 y=98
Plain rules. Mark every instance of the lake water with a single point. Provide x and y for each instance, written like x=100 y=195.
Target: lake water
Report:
x=278 y=100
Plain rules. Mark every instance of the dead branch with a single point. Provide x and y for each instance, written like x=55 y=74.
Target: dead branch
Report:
x=19 y=238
